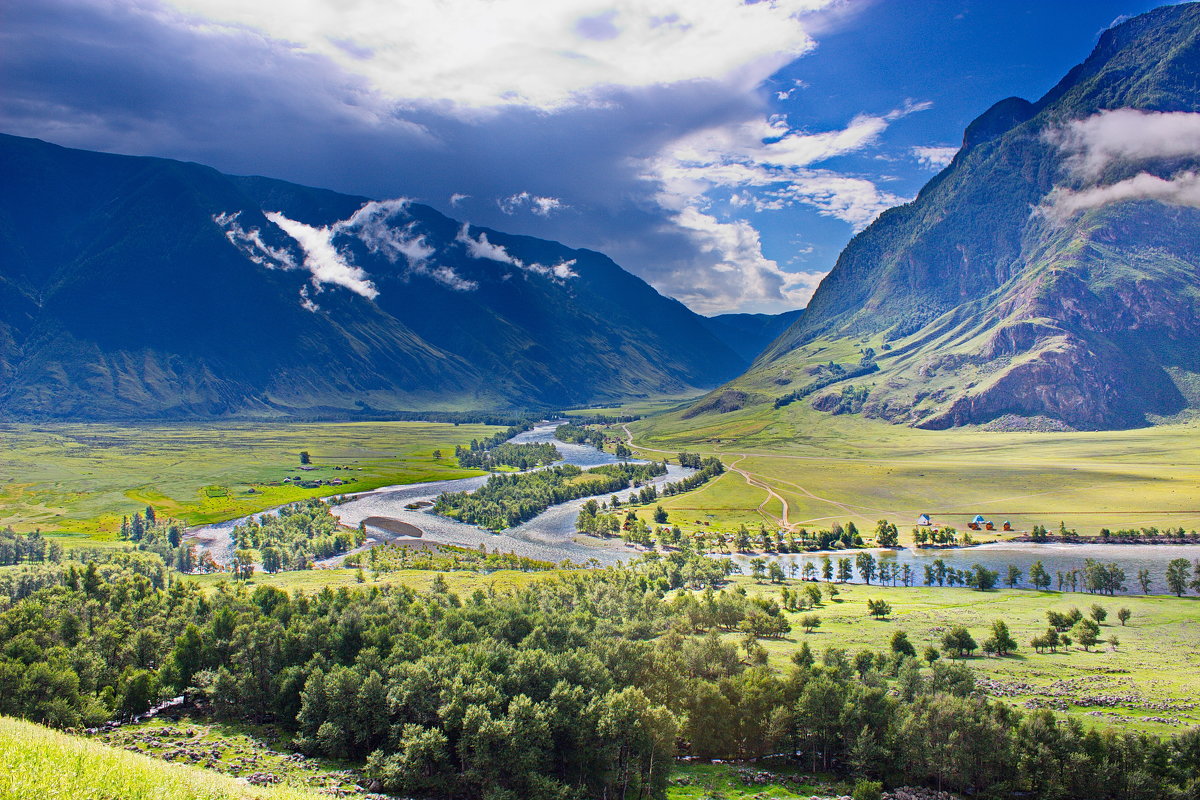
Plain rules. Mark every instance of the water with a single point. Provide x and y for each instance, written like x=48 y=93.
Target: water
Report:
x=1054 y=557
x=548 y=537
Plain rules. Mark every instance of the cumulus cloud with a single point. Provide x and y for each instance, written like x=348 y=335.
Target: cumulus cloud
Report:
x=480 y=54
x=322 y=258
x=1126 y=135
x=740 y=267
x=934 y=157
x=1182 y=189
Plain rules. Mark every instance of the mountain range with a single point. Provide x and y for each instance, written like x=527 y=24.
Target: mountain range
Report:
x=1047 y=278
x=136 y=287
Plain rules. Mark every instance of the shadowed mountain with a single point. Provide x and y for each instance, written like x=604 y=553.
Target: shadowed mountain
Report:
x=749 y=334
x=143 y=287
x=1049 y=276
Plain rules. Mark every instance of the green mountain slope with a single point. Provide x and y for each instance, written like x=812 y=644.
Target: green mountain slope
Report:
x=1022 y=282
x=141 y=287
x=749 y=334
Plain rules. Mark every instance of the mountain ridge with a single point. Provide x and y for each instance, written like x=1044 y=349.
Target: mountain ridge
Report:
x=138 y=287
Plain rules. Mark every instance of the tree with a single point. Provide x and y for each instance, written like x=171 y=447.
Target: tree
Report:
x=775 y=571
x=901 y=644
x=1124 y=614
x=305 y=458
x=1014 y=576
x=810 y=622
x=866 y=566
x=758 y=568
x=879 y=609
x=868 y=790
x=1144 y=580
x=437 y=455
x=1098 y=613
x=1000 y=642
x=272 y=560
x=1087 y=633
x=660 y=515
x=844 y=572
x=981 y=578
x=886 y=534
x=826 y=568
x=1178 y=571
x=959 y=642
x=1038 y=576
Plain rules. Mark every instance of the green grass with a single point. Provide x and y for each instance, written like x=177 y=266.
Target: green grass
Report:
x=41 y=763
x=847 y=467
x=313 y=580
x=1157 y=660
x=774 y=780
x=78 y=479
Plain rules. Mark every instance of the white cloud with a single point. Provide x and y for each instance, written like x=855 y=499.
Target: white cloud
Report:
x=449 y=278
x=482 y=248
x=457 y=199
x=1181 y=190
x=934 y=157
x=541 y=206
x=740 y=270
x=765 y=165
x=322 y=258
x=1126 y=135
x=373 y=225
x=483 y=53
x=251 y=243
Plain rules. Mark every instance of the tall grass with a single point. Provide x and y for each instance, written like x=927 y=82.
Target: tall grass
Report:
x=42 y=764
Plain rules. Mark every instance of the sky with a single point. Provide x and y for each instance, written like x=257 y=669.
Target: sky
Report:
x=725 y=151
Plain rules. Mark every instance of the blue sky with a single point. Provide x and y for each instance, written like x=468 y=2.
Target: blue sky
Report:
x=725 y=151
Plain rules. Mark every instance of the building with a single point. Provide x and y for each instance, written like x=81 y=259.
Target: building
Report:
x=924 y=520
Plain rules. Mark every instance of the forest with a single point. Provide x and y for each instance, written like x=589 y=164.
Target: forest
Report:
x=584 y=684
x=506 y=454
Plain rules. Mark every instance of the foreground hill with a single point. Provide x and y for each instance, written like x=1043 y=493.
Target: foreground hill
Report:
x=39 y=762
x=1050 y=274
x=143 y=287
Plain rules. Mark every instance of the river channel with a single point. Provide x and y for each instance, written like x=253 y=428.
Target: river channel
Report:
x=550 y=536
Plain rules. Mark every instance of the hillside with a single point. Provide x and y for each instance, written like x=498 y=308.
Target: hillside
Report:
x=1047 y=278
x=39 y=762
x=142 y=287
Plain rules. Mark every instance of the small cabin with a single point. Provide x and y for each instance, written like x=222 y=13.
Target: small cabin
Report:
x=988 y=526
x=924 y=520
x=1007 y=525
x=977 y=523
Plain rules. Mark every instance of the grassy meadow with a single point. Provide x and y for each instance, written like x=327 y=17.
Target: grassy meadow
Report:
x=39 y=762
x=828 y=468
x=78 y=479
x=1152 y=675
x=462 y=583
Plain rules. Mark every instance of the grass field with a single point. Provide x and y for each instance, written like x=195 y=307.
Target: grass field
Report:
x=40 y=763
x=80 y=478
x=1153 y=673
x=828 y=468
x=314 y=580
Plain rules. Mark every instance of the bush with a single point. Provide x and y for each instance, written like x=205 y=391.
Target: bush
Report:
x=868 y=790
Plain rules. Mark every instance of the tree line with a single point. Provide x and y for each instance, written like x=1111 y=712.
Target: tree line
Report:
x=508 y=500
x=520 y=456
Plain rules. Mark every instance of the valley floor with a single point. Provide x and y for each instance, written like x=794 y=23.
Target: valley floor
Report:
x=804 y=468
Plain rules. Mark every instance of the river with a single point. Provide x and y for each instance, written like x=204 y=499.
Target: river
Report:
x=550 y=536
x=998 y=556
